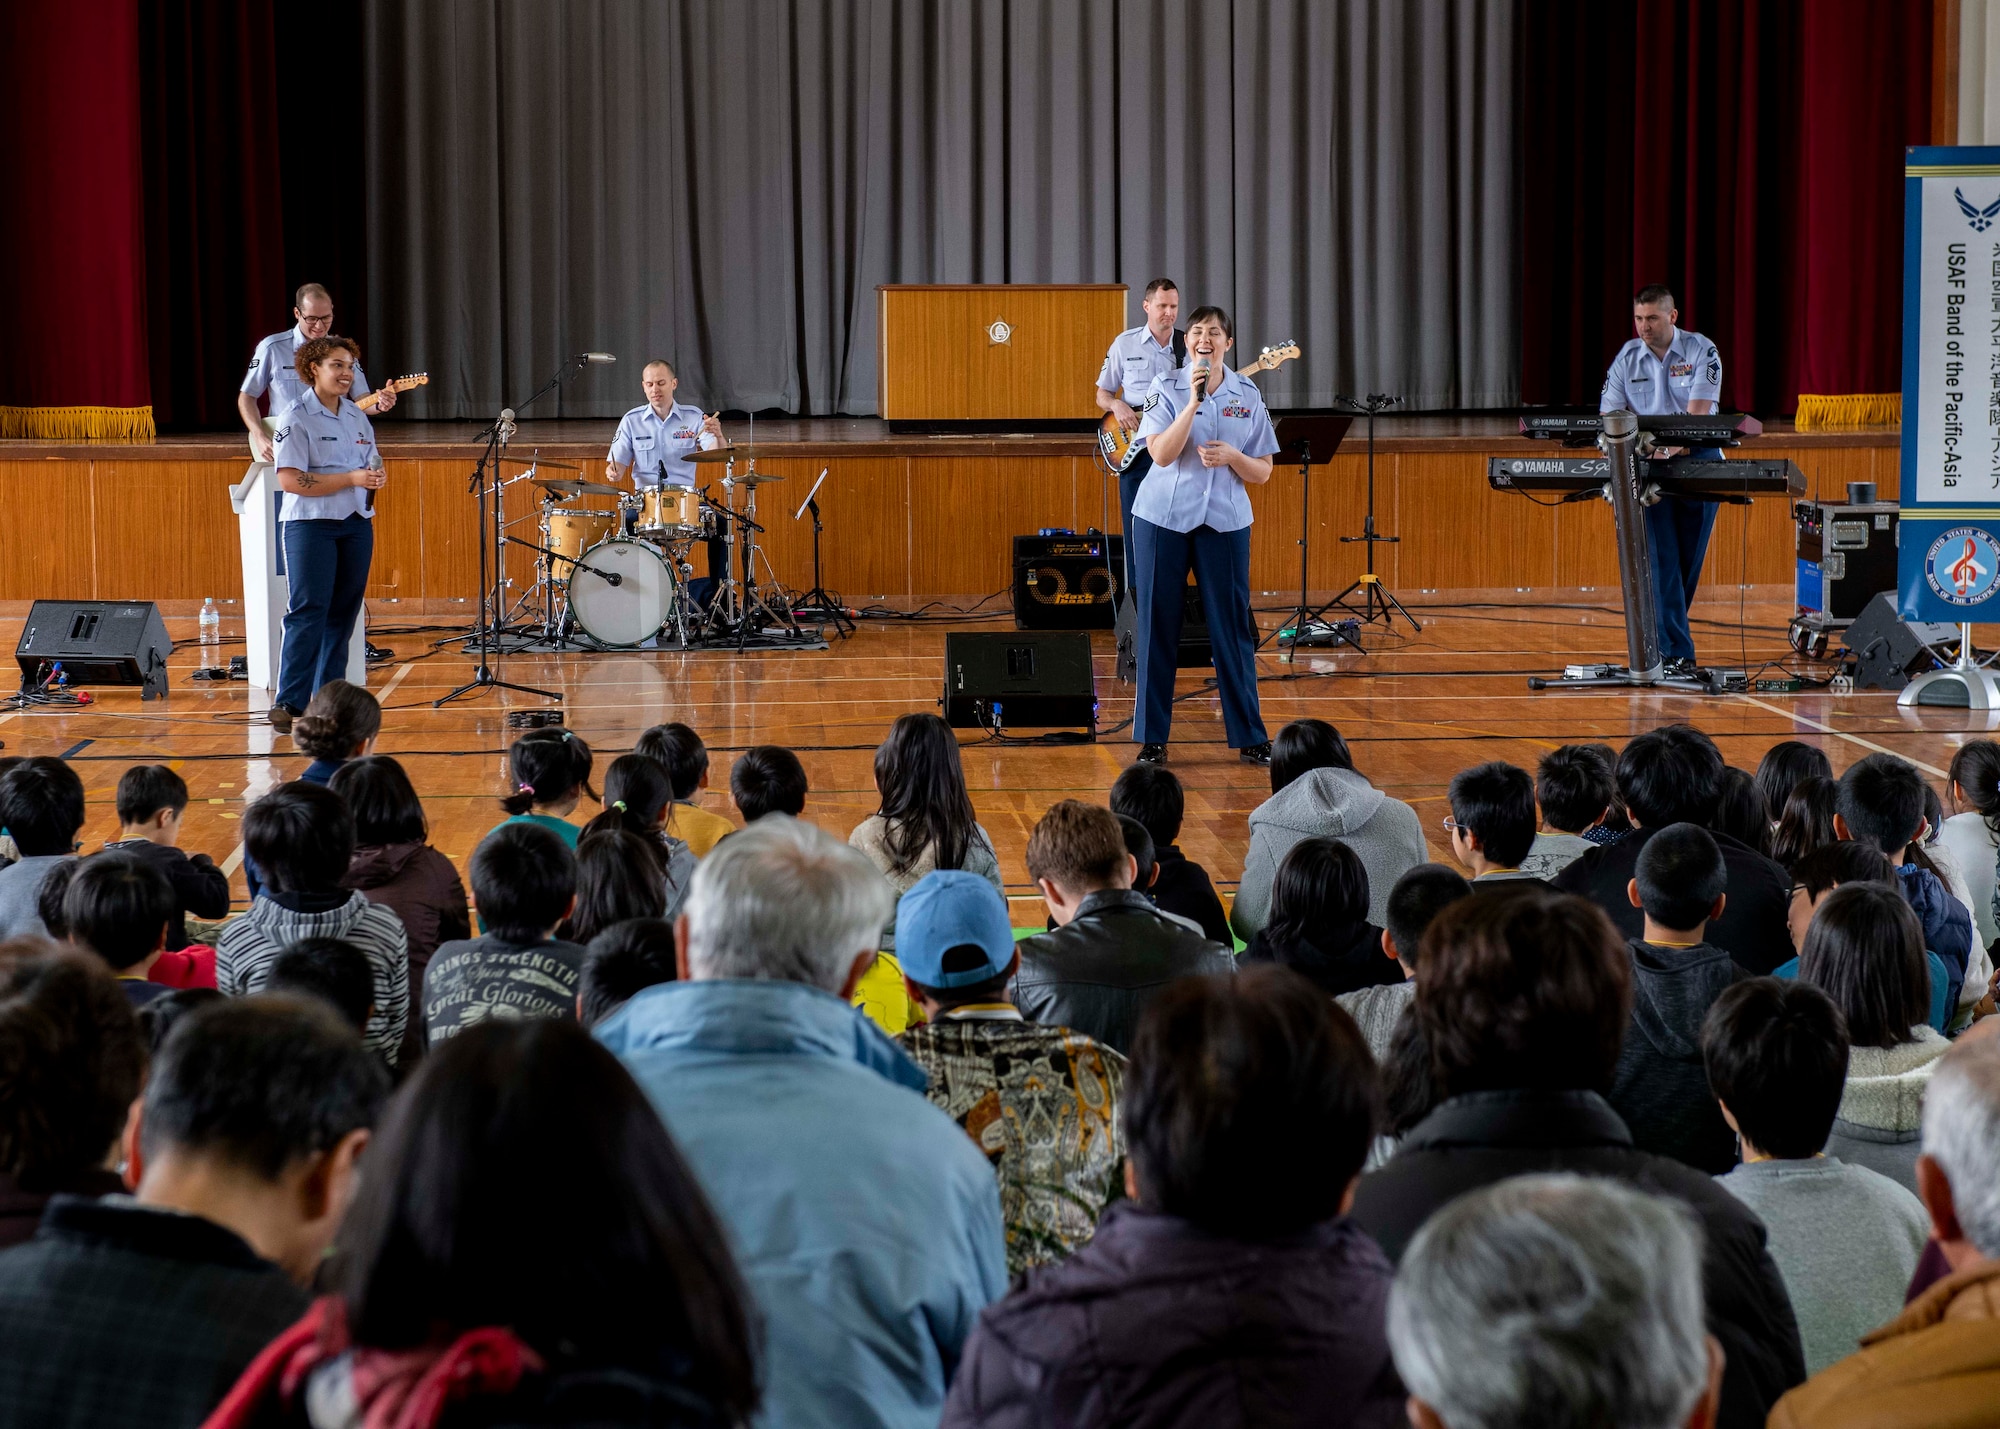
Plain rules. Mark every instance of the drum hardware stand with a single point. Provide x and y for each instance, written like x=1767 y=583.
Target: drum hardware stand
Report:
x=725 y=603
x=1378 y=602
x=486 y=633
x=753 y=593
x=816 y=602
x=1304 y=626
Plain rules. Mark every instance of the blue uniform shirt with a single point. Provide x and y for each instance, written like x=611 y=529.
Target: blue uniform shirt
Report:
x=1187 y=494
x=315 y=441
x=271 y=371
x=645 y=439
x=1644 y=384
x=1133 y=362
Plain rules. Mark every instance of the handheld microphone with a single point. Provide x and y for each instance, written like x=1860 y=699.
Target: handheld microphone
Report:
x=595 y=357
x=1200 y=378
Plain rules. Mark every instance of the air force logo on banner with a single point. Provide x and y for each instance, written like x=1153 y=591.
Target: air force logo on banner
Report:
x=1981 y=219
x=1963 y=565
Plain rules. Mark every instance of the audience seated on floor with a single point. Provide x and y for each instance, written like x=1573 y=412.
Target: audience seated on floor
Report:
x=395 y=865
x=1573 y=792
x=1930 y=850
x=151 y=801
x=1319 y=924
x=1492 y=826
x=159 y=1017
x=341 y=722
x=119 y=907
x=1524 y=1002
x=618 y=878
x=1040 y=1102
x=1146 y=870
x=241 y=1157
x=1416 y=900
x=1935 y=1365
x=1837 y=865
x=681 y=753
x=639 y=1317
x=331 y=969
x=1617 y=821
x=1111 y=951
x=1881 y=805
x=1556 y=1300
x=864 y=1219
x=1661 y=1086
x=551 y=773
x=1972 y=833
x=1845 y=1238
x=1152 y=794
x=1805 y=825
x=1785 y=766
x=524 y=885
x=1316 y=792
x=302 y=837
x=1231 y=1289
x=41 y=807
x=1739 y=810
x=74 y=1060
x=637 y=796
x=1865 y=951
x=620 y=963
x=767 y=779
x=1673 y=775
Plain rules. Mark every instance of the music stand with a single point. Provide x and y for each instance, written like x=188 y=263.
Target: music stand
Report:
x=816 y=602
x=1378 y=602
x=1306 y=438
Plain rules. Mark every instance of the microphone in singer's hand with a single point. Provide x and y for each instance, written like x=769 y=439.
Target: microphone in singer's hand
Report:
x=1200 y=378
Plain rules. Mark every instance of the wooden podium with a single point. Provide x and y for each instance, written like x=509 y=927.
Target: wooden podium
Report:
x=1000 y=352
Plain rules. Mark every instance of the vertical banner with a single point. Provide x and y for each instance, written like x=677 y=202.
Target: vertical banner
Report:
x=1948 y=559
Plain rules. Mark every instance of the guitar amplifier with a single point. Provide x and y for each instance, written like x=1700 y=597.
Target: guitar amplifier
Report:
x=1846 y=555
x=97 y=642
x=1031 y=680
x=1067 y=582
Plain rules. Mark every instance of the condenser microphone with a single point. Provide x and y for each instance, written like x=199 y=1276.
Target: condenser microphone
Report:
x=507 y=427
x=595 y=357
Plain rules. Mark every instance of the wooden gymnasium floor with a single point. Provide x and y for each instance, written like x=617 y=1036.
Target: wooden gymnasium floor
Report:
x=1415 y=709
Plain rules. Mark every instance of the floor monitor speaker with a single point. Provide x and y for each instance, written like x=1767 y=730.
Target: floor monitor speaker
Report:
x=1020 y=679
x=97 y=642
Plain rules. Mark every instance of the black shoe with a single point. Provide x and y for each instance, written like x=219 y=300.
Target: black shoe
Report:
x=1682 y=669
x=282 y=717
x=1258 y=754
x=1152 y=754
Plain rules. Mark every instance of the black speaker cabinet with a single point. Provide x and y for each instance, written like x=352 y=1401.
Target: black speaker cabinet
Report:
x=97 y=642
x=1018 y=680
x=1889 y=650
x=1067 y=582
x=1194 y=651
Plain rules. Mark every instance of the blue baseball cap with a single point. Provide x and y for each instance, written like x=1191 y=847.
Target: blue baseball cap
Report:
x=952 y=909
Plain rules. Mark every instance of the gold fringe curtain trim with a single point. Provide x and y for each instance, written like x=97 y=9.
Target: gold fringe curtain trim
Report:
x=1865 y=409
x=77 y=424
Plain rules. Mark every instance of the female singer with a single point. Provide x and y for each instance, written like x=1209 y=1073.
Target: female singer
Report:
x=329 y=471
x=1209 y=436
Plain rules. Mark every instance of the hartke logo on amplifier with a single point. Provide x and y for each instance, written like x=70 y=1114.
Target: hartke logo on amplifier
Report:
x=1050 y=585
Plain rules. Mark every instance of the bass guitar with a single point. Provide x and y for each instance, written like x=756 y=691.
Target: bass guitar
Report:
x=400 y=384
x=1116 y=447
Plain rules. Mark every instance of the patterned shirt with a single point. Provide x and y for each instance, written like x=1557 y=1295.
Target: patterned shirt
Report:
x=1042 y=1103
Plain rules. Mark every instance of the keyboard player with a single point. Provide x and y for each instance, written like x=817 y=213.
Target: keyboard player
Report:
x=1661 y=371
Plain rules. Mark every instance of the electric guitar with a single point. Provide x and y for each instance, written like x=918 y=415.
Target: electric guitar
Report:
x=400 y=384
x=1117 y=448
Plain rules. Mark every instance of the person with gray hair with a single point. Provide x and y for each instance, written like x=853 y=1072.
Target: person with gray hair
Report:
x=1936 y=1365
x=1554 y=1301
x=866 y=1222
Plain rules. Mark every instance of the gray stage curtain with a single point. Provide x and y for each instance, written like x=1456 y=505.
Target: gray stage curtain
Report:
x=724 y=182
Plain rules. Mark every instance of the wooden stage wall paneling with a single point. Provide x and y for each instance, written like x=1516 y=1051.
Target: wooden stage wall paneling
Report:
x=897 y=526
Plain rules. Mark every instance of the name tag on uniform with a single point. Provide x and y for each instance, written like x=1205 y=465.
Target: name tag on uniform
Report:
x=642 y=441
x=1236 y=410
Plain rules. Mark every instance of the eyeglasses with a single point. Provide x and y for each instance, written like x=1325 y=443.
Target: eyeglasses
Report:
x=1453 y=826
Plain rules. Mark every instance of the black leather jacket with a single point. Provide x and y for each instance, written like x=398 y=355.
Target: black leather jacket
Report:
x=1098 y=974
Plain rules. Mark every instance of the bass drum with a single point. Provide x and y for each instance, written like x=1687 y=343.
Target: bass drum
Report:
x=632 y=611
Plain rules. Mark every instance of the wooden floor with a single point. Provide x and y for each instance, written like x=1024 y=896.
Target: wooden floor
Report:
x=1415 y=709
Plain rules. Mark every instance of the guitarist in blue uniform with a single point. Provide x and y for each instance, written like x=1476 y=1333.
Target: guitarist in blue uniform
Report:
x=1137 y=356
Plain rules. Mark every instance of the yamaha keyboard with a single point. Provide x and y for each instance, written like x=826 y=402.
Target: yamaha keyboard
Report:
x=1581 y=478
x=1582 y=429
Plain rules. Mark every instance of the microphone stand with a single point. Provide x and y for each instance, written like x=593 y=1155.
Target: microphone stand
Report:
x=486 y=635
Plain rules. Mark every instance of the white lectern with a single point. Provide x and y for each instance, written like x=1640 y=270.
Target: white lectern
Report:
x=266 y=592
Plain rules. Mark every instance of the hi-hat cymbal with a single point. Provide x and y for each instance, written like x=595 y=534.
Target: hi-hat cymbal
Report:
x=562 y=486
x=721 y=454
x=757 y=478
x=539 y=461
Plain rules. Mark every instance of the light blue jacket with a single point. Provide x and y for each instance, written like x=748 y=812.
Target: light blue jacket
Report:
x=864 y=1219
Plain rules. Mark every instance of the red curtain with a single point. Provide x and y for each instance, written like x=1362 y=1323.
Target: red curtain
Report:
x=72 y=282
x=1746 y=154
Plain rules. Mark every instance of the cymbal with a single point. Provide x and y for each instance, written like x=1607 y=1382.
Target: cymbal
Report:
x=757 y=478
x=539 y=461
x=720 y=454
x=562 y=486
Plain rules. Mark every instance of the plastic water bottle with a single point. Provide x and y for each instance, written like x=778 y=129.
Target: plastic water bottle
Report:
x=211 y=630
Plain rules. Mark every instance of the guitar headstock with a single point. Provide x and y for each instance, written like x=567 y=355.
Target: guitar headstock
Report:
x=1276 y=355
x=415 y=379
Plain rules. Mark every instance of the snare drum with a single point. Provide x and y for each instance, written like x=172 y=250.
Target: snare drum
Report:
x=572 y=532
x=668 y=511
x=632 y=611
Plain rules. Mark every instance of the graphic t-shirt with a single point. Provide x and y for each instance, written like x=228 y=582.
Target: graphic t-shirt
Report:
x=491 y=977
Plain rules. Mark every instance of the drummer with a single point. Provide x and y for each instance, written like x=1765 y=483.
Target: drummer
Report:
x=653 y=443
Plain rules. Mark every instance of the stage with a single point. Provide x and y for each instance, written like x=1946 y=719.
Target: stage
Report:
x=1414 y=709
x=907 y=518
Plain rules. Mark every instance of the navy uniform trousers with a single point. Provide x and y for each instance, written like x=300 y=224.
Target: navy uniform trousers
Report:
x=1678 y=530
x=328 y=565
x=1220 y=560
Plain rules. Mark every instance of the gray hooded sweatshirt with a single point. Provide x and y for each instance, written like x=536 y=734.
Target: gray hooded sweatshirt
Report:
x=1327 y=803
x=1881 y=1120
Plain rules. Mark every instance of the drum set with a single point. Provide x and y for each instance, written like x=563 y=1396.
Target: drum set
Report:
x=621 y=578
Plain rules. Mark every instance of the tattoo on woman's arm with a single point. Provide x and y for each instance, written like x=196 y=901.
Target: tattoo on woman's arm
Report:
x=307 y=480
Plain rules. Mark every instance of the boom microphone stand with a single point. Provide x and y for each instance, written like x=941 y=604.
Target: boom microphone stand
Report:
x=486 y=634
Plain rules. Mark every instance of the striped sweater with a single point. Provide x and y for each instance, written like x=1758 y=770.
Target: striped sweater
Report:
x=247 y=948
